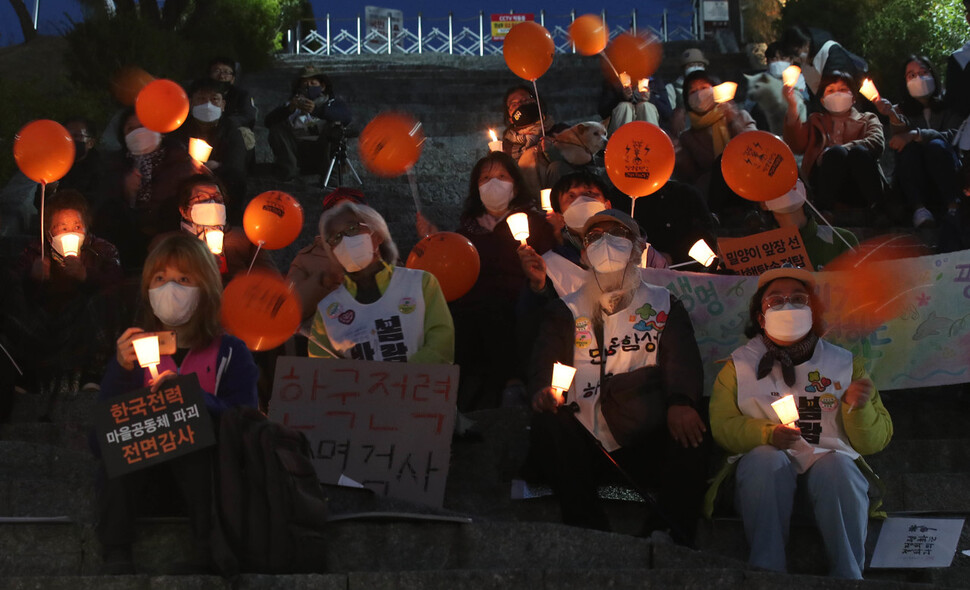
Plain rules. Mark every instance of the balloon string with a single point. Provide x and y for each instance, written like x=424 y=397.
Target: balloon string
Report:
x=413 y=182
x=542 y=123
x=10 y=356
x=255 y=254
x=826 y=222
x=43 y=185
x=609 y=63
x=325 y=349
x=633 y=205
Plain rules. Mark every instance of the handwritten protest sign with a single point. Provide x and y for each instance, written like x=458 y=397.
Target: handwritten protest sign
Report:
x=755 y=254
x=914 y=542
x=141 y=428
x=385 y=425
x=927 y=345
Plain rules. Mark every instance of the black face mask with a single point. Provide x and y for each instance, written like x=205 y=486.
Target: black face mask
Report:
x=224 y=87
x=80 y=150
x=314 y=92
x=525 y=115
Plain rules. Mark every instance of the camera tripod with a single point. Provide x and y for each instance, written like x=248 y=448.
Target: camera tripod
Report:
x=339 y=160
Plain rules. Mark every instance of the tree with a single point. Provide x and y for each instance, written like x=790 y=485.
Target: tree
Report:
x=760 y=20
x=26 y=22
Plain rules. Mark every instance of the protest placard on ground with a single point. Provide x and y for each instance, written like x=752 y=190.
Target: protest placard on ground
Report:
x=914 y=542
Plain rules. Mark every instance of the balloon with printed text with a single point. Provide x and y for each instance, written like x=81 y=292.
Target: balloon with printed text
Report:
x=391 y=143
x=759 y=166
x=43 y=150
x=528 y=50
x=273 y=219
x=162 y=106
x=261 y=309
x=589 y=34
x=451 y=258
x=639 y=158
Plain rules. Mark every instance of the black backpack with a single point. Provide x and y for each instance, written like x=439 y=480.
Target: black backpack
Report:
x=268 y=500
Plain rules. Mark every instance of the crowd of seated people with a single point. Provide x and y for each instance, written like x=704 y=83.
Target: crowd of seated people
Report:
x=172 y=225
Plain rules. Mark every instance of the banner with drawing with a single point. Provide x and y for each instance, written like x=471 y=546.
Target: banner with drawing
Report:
x=927 y=345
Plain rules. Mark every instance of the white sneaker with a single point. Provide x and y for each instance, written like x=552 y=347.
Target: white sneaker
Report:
x=923 y=218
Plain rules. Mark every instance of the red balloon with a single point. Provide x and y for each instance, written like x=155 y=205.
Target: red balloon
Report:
x=44 y=150
x=528 y=49
x=162 y=106
x=261 y=309
x=273 y=220
x=451 y=258
x=128 y=82
x=639 y=158
x=589 y=34
x=759 y=166
x=637 y=55
x=391 y=143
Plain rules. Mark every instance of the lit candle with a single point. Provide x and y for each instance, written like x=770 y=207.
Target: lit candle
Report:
x=644 y=256
x=625 y=79
x=643 y=85
x=562 y=379
x=519 y=224
x=868 y=90
x=199 y=149
x=495 y=145
x=786 y=410
x=725 y=92
x=146 y=350
x=790 y=76
x=213 y=239
x=545 y=198
x=71 y=243
x=702 y=253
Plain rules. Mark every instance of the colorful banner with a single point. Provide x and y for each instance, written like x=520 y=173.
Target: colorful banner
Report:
x=925 y=346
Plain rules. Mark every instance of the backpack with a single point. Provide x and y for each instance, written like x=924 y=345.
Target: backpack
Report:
x=268 y=500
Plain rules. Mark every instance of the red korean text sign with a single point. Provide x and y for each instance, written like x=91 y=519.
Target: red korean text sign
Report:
x=384 y=425
x=755 y=254
x=141 y=428
x=502 y=23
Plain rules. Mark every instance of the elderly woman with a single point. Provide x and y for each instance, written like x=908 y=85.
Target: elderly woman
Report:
x=380 y=312
x=840 y=419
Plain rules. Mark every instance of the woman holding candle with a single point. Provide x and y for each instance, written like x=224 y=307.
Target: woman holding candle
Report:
x=181 y=292
x=841 y=146
x=841 y=418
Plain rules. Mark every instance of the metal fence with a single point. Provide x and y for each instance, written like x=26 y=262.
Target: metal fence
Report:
x=468 y=36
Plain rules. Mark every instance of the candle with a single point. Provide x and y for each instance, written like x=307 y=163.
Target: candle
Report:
x=146 y=350
x=495 y=145
x=562 y=378
x=625 y=79
x=213 y=239
x=790 y=76
x=702 y=253
x=71 y=242
x=645 y=256
x=519 y=224
x=786 y=410
x=643 y=85
x=868 y=90
x=199 y=149
x=725 y=92
x=545 y=198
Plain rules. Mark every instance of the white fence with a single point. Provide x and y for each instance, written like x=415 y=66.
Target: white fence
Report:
x=469 y=36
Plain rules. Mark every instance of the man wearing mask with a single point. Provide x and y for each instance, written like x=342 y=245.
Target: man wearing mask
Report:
x=240 y=107
x=634 y=400
x=207 y=121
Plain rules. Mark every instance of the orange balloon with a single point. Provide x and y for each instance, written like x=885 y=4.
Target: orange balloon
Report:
x=759 y=166
x=128 y=82
x=451 y=258
x=637 y=55
x=273 y=220
x=589 y=34
x=162 y=106
x=44 y=150
x=391 y=143
x=260 y=309
x=639 y=158
x=528 y=49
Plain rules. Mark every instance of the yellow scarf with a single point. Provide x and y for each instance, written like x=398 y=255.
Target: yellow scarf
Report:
x=714 y=119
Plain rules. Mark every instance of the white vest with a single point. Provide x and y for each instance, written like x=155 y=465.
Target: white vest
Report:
x=567 y=276
x=819 y=386
x=631 y=340
x=390 y=329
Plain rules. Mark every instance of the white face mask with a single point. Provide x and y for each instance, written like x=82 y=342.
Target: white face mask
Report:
x=496 y=194
x=208 y=214
x=173 y=303
x=921 y=86
x=788 y=323
x=609 y=253
x=206 y=112
x=355 y=253
x=142 y=141
x=702 y=100
x=776 y=68
x=691 y=69
x=57 y=242
x=838 y=102
x=580 y=210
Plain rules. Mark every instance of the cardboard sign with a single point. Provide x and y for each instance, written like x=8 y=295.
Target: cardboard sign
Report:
x=141 y=428
x=752 y=255
x=913 y=542
x=385 y=425
x=502 y=24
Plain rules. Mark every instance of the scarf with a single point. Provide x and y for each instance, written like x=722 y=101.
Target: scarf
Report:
x=146 y=165
x=713 y=119
x=788 y=356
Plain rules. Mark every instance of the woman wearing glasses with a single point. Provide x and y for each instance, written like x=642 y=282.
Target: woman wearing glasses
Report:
x=381 y=312
x=840 y=418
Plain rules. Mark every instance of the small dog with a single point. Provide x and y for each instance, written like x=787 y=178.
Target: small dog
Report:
x=765 y=90
x=581 y=142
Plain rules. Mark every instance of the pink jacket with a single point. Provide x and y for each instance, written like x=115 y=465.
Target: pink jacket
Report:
x=812 y=137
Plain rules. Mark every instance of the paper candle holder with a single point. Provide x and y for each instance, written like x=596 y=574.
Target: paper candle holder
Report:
x=702 y=253
x=146 y=350
x=868 y=90
x=545 y=199
x=786 y=410
x=213 y=239
x=519 y=224
x=562 y=378
x=790 y=76
x=495 y=145
x=199 y=149
x=725 y=92
x=71 y=243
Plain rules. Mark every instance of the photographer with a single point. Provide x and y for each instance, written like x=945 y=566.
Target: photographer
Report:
x=305 y=132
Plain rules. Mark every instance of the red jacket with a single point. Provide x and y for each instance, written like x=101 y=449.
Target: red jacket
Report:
x=813 y=136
